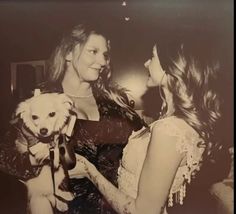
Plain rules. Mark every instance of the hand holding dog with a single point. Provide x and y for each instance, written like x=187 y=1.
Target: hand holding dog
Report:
x=82 y=168
x=38 y=153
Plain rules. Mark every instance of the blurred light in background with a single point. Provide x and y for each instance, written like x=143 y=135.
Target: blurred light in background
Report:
x=135 y=81
x=127 y=19
x=124 y=3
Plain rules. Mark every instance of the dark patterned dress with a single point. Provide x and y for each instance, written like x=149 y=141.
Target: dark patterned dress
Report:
x=101 y=142
x=11 y=161
x=14 y=166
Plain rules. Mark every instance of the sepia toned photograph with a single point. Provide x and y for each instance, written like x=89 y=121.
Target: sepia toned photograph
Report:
x=116 y=107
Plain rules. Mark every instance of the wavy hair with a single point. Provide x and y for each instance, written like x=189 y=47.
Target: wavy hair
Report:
x=192 y=80
x=78 y=35
x=57 y=65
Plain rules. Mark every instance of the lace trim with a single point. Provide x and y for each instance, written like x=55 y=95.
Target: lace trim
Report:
x=186 y=142
x=127 y=181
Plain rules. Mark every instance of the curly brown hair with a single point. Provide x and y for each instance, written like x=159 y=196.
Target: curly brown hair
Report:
x=192 y=77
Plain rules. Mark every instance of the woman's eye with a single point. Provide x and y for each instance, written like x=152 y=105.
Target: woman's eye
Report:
x=93 y=51
x=35 y=117
x=106 y=56
x=52 y=114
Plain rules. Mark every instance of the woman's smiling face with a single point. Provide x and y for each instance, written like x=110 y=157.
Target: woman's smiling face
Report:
x=89 y=60
x=156 y=72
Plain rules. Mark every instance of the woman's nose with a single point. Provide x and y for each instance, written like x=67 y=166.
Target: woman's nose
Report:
x=101 y=60
x=146 y=64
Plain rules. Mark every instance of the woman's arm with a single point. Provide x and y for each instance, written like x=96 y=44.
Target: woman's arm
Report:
x=159 y=169
x=120 y=202
x=12 y=161
x=158 y=173
x=16 y=164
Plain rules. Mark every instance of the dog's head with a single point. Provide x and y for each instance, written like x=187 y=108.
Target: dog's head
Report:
x=45 y=114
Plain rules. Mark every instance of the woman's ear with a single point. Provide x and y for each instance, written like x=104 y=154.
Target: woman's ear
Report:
x=69 y=56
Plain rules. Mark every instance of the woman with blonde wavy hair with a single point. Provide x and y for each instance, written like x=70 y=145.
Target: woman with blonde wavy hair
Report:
x=160 y=162
x=80 y=67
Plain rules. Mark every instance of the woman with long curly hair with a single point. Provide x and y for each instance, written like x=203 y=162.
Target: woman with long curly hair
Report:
x=80 y=67
x=161 y=161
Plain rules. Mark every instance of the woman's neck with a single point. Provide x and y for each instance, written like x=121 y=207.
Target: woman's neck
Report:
x=73 y=86
x=169 y=102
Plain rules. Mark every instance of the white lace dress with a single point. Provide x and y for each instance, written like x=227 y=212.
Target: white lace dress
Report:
x=187 y=141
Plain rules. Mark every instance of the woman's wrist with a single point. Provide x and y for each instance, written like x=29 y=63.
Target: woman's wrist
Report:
x=32 y=160
x=92 y=171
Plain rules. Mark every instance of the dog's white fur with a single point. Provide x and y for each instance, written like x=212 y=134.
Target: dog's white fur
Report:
x=48 y=112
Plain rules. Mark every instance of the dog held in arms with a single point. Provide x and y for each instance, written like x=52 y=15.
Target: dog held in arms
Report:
x=46 y=117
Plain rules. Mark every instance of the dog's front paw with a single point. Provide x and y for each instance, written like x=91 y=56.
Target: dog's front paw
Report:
x=61 y=206
x=68 y=196
x=59 y=203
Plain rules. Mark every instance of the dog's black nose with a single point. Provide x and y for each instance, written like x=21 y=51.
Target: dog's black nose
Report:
x=43 y=131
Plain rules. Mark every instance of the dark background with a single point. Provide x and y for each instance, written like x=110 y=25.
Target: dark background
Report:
x=31 y=29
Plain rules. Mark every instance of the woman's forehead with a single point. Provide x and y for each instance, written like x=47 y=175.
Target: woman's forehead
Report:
x=95 y=39
x=154 y=48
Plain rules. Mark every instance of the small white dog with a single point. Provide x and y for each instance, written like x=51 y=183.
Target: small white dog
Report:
x=45 y=116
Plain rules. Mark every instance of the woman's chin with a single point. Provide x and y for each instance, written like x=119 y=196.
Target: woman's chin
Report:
x=151 y=84
x=93 y=78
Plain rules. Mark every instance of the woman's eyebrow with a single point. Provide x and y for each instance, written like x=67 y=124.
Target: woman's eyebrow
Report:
x=97 y=48
x=92 y=46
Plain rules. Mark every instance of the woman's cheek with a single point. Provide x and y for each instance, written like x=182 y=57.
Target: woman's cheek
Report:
x=151 y=82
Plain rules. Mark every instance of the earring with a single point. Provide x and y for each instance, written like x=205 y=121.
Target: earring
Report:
x=162 y=113
x=164 y=104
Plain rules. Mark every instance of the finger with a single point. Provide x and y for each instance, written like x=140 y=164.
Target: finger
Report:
x=42 y=153
x=73 y=171
x=75 y=174
x=78 y=176
x=78 y=157
x=41 y=157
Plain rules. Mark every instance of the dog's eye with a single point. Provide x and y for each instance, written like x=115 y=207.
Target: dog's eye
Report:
x=52 y=114
x=35 y=117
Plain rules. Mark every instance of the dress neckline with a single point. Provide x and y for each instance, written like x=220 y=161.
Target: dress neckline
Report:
x=88 y=121
x=151 y=124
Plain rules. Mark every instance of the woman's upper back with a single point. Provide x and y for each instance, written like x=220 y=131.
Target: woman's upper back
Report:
x=186 y=141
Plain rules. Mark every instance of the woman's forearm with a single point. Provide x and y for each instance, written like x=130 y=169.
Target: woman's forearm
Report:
x=119 y=201
x=16 y=164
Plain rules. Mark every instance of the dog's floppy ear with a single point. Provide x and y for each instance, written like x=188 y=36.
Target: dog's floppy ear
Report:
x=64 y=99
x=21 y=109
x=64 y=105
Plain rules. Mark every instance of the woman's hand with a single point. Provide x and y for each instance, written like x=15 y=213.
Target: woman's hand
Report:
x=82 y=168
x=38 y=153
